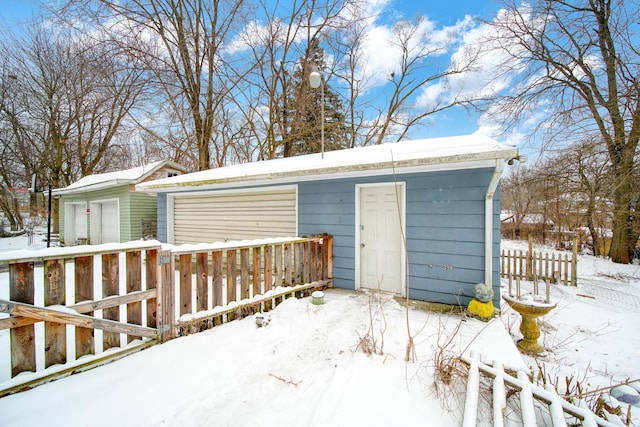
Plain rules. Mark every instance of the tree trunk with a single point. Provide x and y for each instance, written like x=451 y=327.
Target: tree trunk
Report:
x=591 y=208
x=9 y=206
x=620 y=245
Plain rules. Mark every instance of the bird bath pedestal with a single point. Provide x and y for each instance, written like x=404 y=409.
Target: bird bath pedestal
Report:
x=530 y=310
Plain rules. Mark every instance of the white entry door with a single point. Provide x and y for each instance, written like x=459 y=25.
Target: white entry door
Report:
x=380 y=237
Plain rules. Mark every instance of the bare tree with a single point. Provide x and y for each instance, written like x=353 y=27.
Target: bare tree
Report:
x=582 y=62
x=571 y=189
x=11 y=169
x=70 y=99
x=408 y=78
x=275 y=90
x=519 y=196
x=348 y=46
x=591 y=167
x=181 y=43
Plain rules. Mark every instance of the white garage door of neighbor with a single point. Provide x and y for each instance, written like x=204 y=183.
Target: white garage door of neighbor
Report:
x=205 y=218
x=75 y=223
x=105 y=222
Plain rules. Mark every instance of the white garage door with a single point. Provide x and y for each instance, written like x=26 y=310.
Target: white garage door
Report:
x=205 y=218
x=75 y=223
x=105 y=222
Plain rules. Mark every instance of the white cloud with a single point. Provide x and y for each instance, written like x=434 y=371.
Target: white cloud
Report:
x=479 y=54
x=493 y=71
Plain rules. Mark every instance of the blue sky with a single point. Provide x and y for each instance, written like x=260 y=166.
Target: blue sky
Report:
x=16 y=10
x=442 y=14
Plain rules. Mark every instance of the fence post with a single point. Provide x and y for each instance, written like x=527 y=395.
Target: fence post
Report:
x=327 y=255
x=166 y=290
x=151 y=266
x=529 y=273
x=574 y=263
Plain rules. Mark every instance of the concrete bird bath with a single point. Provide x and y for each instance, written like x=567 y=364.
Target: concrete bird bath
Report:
x=530 y=310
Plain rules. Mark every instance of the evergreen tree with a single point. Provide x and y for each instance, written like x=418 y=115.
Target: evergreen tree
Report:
x=303 y=115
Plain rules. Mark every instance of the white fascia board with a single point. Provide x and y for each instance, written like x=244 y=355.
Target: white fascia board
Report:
x=472 y=161
x=92 y=187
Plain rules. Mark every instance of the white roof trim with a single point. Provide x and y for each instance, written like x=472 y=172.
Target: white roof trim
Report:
x=112 y=179
x=452 y=153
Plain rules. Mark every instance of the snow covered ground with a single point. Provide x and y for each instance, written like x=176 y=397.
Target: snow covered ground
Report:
x=307 y=367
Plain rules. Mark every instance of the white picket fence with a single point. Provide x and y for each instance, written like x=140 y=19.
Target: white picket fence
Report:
x=531 y=265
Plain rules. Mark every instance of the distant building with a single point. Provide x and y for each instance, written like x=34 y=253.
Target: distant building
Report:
x=105 y=208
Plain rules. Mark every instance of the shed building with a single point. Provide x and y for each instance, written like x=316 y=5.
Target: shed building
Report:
x=105 y=208
x=419 y=216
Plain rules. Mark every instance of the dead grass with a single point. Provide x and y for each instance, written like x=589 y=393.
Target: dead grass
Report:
x=372 y=342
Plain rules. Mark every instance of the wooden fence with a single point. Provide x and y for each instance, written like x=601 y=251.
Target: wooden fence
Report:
x=71 y=303
x=531 y=265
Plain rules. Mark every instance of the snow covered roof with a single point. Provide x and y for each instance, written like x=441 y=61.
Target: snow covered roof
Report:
x=110 y=179
x=450 y=153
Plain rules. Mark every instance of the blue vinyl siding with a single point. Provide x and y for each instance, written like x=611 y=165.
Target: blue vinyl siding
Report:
x=444 y=230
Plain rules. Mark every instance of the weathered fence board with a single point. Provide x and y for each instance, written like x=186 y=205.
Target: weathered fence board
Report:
x=151 y=278
x=231 y=275
x=257 y=270
x=244 y=273
x=114 y=301
x=21 y=289
x=50 y=315
x=84 y=292
x=306 y=262
x=279 y=266
x=110 y=287
x=202 y=284
x=216 y=260
x=185 y=283
x=134 y=284
x=55 y=334
x=268 y=274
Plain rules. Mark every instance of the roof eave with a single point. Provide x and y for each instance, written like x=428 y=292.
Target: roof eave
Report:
x=93 y=187
x=457 y=161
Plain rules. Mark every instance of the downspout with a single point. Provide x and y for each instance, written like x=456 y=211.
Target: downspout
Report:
x=488 y=222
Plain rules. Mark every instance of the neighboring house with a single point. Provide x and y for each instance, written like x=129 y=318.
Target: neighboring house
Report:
x=105 y=208
x=440 y=196
x=520 y=226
